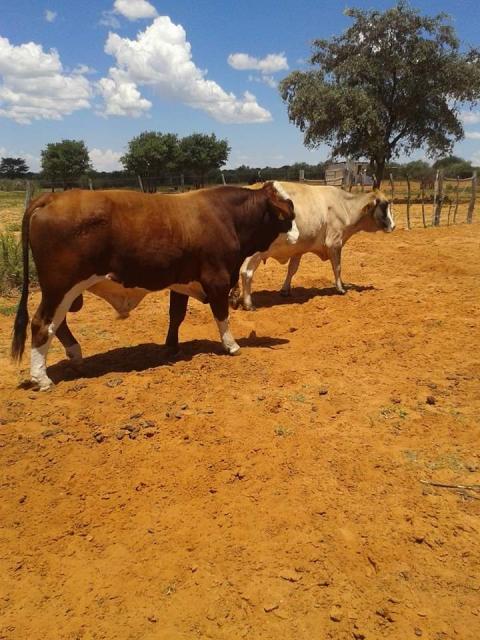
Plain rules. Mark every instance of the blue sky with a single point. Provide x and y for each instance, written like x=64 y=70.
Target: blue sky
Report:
x=105 y=71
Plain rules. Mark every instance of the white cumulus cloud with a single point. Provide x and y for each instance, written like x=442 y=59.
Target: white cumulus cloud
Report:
x=121 y=96
x=470 y=117
x=134 y=9
x=272 y=63
x=472 y=135
x=105 y=159
x=160 y=57
x=34 y=86
x=50 y=15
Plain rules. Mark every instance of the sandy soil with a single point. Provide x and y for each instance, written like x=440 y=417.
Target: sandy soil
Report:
x=273 y=495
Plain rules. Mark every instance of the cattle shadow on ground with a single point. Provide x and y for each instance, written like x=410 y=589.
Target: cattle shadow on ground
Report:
x=148 y=356
x=300 y=295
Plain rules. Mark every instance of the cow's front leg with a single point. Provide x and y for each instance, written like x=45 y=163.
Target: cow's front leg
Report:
x=178 y=311
x=70 y=344
x=335 y=255
x=293 y=265
x=235 y=295
x=247 y=272
x=219 y=306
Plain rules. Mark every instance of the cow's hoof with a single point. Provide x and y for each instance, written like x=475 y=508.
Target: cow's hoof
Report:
x=234 y=302
x=249 y=307
x=233 y=350
x=341 y=292
x=74 y=355
x=285 y=293
x=43 y=385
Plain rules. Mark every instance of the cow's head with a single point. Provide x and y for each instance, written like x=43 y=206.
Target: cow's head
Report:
x=380 y=210
x=281 y=209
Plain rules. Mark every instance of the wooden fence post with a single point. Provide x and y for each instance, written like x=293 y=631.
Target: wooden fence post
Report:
x=140 y=182
x=435 y=193
x=438 y=207
x=301 y=175
x=90 y=184
x=408 y=202
x=423 y=206
x=28 y=192
x=456 y=201
x=471 y=205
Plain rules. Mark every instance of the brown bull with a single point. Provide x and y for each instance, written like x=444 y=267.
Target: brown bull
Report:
x=123 y=245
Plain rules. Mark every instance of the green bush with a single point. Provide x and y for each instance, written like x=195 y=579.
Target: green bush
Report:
x=11 y=270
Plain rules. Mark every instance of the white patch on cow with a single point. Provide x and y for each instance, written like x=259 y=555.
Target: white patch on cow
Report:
x=391 y=221
x=247 y=271
x=193 y=289
x=38 y=358
x=293 y=234
x=280 y=190
x=228 y=340
x=38 y=369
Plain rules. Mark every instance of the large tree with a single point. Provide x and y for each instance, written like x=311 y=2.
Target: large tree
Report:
x=13 y=168
x=152 y=154
x=65 y=161
x=391 y=83
x=201 y=153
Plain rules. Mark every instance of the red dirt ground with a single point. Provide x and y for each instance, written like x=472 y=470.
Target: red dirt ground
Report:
x=274 y=495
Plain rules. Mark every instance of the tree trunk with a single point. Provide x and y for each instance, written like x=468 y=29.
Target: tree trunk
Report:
x=379 y=167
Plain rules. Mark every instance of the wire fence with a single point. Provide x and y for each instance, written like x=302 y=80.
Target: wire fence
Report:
x=429 y=201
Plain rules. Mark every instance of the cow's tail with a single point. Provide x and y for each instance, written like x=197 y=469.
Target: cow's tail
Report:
x=21 y=319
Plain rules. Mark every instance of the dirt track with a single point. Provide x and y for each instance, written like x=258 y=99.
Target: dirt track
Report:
x=274 y=495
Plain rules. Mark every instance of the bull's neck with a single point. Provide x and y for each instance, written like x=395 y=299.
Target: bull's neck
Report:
x=356 y=215
x=356 y=207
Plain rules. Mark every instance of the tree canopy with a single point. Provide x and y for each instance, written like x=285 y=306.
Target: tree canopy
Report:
x=453 y=166
x=201 y=153
x=13 y=168
x=391 y=83
x=152 y=153
x=65 y=161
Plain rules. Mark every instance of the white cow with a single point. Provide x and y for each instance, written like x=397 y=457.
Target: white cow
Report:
x=326 y=218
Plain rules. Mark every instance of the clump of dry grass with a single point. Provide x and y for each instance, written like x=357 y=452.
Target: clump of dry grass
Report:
x=11 y=269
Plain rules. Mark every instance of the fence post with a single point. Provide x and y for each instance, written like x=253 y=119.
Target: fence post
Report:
x=392 y=188
x=456 y=200
x=423 y=206
x=408 y=201
x=90 y=184
x=438 y=207
x=435 y=193
x=223 y=177
x=301 y=175
x=140 y=182
x=28 y=192
x=471 y=205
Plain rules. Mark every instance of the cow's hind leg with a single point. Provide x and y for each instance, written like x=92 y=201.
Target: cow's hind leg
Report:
x=70 y=344
x=178 y=310
x=247 y=272
x=43 y=330
x=293 y=265
x=49 y=317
